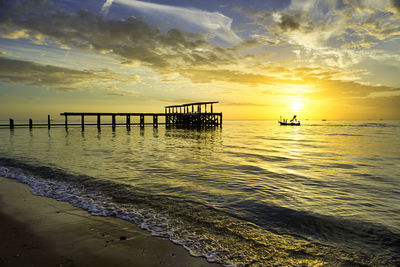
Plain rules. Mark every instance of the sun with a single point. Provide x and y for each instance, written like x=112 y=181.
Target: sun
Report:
x=297 y=105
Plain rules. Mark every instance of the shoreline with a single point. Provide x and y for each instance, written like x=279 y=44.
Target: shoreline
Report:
x=41 y=231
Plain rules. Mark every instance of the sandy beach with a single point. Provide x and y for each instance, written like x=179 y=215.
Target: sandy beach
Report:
x=39 y=231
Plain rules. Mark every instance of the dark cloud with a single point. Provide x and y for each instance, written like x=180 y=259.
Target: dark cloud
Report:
x=282 y=21
x=131 y=38
x=63 y=79
x=289 y=22
x=396 y=5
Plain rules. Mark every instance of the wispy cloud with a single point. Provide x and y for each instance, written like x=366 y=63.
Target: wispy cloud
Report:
x=106 y=7
x=213 y=24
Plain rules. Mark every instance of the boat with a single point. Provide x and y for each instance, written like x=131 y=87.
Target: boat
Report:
x=289 y=123
x=292 y=122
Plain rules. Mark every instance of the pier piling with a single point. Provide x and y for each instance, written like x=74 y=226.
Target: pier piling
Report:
x=113 y=121
x=155 y=121
x=11 y=124
x=98 y=122
x=48 y=122
x=83 y=122
x=128 y=122
x=66 y=122
x=141 y=121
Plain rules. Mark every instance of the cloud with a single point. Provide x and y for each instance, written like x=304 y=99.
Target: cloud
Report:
x=179 y=54
x=131 y=39
x=333 y=23
x=245 y=104
x=396 y=5
x=106 y=7
x=63 y=79
x=384 y=107
x=287 y=22
x=16 y=34
x=214 y=24
x=346 y=89
x=226 y=75
x=120 y=94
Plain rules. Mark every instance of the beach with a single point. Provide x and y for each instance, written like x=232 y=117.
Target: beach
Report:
x=40 y=231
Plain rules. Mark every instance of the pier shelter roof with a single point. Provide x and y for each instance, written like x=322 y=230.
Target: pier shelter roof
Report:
x=192 y=104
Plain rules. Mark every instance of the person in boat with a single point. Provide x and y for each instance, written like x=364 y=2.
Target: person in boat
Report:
x=293 y=121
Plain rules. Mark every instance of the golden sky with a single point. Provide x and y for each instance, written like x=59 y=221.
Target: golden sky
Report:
x=260 y=59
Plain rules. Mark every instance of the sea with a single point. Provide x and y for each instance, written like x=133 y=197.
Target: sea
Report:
x=249 y=193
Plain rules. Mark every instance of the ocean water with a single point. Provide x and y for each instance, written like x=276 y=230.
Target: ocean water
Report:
x=249 y=193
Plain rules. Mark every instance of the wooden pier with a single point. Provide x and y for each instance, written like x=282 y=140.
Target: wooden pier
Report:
x=192 y=115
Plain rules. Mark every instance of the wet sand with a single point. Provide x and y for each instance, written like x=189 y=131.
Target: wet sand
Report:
x=39 y=231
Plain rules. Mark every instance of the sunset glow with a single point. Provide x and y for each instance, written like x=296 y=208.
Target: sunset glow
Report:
x=259 y=59
x=297 y=106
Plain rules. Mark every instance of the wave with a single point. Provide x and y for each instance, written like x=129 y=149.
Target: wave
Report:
x=246 y=233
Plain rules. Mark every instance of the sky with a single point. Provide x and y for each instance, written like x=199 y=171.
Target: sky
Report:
x=261 y=59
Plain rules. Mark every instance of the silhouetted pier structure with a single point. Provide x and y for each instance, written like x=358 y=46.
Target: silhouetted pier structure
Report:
x=192 y=115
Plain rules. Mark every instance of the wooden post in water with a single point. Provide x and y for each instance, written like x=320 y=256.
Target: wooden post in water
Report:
x=128 y=122
x=141 y=121
x=155 y=121
x=48 y=122
x=113 y=121
x=98 y=122
x=66 y=122
x=30 y=123
x=11 y=124
x=83 y=122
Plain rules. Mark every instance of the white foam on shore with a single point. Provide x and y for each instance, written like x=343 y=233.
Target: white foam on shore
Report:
x=98 y=204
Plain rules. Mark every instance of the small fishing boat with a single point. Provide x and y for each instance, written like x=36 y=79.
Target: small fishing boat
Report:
x=292 y=122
